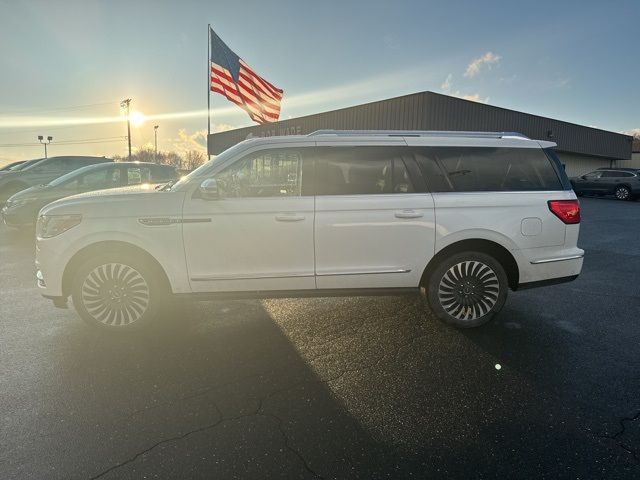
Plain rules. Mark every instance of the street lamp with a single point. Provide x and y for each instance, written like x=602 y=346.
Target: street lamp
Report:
x=41 y=139
x=125 y=104
x=155 y=134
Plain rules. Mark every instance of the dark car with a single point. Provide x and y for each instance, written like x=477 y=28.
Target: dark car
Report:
x=624 y=183
x=11 y=165
x=41 y=172
x=22 y=208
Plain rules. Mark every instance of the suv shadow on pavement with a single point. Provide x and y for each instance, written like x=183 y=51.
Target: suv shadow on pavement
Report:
x=307 y=388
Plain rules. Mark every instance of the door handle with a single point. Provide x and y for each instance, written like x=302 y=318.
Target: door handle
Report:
x=408 y=214
x=289 y=217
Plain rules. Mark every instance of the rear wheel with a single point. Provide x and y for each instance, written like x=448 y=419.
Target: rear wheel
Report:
x=467 y=289
x=116 y=292
x=623 y=193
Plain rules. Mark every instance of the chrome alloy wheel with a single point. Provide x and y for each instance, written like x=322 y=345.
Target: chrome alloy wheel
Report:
x=115 y=294
x=468 y=290
x=622 y=193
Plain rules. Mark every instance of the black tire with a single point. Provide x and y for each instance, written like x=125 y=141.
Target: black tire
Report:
x=623 y=193
x=117 y=292
x=467 y=289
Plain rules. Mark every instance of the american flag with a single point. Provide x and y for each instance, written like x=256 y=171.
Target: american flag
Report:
x=233 y=78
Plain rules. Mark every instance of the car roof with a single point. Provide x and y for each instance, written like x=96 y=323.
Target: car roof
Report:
x=407 y=137
x=85 y=157
x=621 y=169
x=149 y=164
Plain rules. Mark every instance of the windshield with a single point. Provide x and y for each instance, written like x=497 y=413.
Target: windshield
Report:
x=72 y=175
x=25 y=165
x=206 y=168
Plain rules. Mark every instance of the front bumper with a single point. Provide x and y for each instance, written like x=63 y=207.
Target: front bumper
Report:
x=16 y=217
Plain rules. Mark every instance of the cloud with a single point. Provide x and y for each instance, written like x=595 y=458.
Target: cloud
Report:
x=446 y=85
x=186 y=141
x=474 y=98
x=486 y=60
x=635 y=132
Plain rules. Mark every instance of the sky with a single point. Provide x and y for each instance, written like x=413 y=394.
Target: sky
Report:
x=66 y=65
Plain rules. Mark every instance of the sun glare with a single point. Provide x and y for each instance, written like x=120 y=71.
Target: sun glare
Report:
x=137 y=118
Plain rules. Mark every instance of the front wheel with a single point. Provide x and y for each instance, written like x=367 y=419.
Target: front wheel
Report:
x=623 y=193
x=467 y=289
x=116 y=292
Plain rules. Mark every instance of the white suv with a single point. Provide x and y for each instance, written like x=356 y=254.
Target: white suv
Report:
x=462 y=216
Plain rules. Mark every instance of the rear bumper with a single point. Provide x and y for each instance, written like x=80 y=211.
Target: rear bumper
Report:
x=548 y=266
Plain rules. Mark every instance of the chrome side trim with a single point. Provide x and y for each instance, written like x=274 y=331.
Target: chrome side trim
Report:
x=209 y=278
x=557 y=259
x=332 y=274
x=164 y=221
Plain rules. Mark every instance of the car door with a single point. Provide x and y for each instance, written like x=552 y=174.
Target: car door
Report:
x=46 y=171
x=612 y=179
x=588 y=183
x=99 y=178
x=258 y=234
x=374 y=225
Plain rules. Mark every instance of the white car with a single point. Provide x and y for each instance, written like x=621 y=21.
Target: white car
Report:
x=460 y=216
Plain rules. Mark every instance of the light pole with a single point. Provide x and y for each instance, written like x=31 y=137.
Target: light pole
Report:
x=125 y=104
x=41 y=138
x=155 y=134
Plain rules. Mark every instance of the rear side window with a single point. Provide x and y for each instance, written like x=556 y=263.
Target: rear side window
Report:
x=136 y=175
x=362 y=171
x=614 y=174
x=482 y=169
x=162 y=174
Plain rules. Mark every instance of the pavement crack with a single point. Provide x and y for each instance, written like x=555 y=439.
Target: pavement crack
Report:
x=616 y=436
x=288 y=445
x=162 y=442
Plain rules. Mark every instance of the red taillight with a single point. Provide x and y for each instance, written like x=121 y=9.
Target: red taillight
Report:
x=566 y=210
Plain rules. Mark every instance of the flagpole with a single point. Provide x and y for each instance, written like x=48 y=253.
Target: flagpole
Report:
x=208 y=86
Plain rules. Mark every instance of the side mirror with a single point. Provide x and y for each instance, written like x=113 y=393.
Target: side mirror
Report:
x=583 y=177
x=209 y=189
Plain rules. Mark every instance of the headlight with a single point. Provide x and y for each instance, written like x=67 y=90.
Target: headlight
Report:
x=17 y=203
x=51 y=225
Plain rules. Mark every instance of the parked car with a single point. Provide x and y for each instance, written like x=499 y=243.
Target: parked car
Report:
x=40 y=172
x=9 y=166
x=460 y=216
x=624 y=183
x=20 y=166
x=21 y=209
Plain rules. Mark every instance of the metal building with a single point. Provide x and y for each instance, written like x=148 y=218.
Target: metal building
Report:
x=580 y=148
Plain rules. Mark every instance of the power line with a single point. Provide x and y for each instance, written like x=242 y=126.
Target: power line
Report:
x=39 y=129
x=71 y=107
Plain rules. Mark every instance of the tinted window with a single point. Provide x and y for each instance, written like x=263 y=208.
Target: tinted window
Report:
x=267 y=173
x=93 y=179
x=614 y=174
x=481 y=169
x=162 y=174
x=593 y=175
x=434 y=176
x=362 y=171
x=136 y=175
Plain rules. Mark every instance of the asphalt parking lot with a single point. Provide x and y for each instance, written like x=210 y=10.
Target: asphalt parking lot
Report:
x=333 y=388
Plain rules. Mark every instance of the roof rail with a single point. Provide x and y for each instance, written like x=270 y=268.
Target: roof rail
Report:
x=419 y=133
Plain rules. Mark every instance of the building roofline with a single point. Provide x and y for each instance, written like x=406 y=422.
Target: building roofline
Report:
x=427 y=93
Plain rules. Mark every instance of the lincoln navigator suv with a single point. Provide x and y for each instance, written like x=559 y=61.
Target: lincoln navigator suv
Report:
x=460 y=217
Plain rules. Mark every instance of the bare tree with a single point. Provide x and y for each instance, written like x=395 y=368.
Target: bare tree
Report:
x=193 y=159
